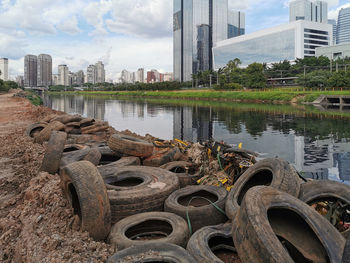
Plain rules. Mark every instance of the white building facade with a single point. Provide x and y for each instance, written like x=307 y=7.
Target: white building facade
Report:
x=91 y=74
x=63 y=73
x=285 y=42
x=100 y=72
x=4 y=69
x=44 y=76
x=334 y=52
x=343 y=26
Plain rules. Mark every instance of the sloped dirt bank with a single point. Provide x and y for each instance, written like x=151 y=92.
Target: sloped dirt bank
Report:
x=36 y=223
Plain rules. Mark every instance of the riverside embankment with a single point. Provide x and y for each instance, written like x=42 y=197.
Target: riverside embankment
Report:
x=281 y=96
x=35 y=218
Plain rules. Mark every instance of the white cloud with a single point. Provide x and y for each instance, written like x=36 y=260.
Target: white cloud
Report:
x=70 y=26
x=333 y=14
x=145 y=18
x=12 y=46
x=94 y=14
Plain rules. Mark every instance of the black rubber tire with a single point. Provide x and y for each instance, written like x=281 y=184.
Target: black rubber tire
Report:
x=130 y=145
x=53 y=154
x=161 y=158
x=74 y=147
x=86 y=122
x=92 y=155
x=112 y=168
x=172 y=227
x=45 y=134
x=346 y=255
x=203 y=215
x=152 y=187
x=268 y=215
x=108 y=156
x=189 y=178
x=67 y=118
x=84 y=188
x=35 y=128
x=274 y=172
x=204 y=241
x=155 y=252
x=318 y=190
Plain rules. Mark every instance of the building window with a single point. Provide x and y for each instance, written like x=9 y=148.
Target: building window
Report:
x=315 y=37
x=307 y=41
x=309 y=52
x=310 y=47
x=300 y=18
x=306 y=30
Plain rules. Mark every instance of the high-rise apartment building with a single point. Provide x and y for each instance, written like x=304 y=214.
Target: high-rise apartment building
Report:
x=91 y=74
x=44 y=67
x=55 y=79
x=4 y=69
x=125 y=76
x=79 y=78
x=63 y=73
x=100 y=72
x=333 y=22
x=192 y=21
x=343 y=26
x=315 y=11
x=140 y=75
x=236 y=24
x=30 y=71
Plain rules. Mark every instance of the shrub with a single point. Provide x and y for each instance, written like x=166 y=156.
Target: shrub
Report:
x=228 y=86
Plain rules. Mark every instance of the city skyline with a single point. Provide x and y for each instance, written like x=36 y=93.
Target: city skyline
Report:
x=79 y=32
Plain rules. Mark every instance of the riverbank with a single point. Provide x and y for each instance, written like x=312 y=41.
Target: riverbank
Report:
x=278 y=96
x=35 y=218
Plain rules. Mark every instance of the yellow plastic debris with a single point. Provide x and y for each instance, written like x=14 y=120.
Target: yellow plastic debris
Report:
x=240 y=145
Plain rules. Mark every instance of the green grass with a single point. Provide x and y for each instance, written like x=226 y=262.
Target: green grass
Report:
x=34 y=98
x=277 y=95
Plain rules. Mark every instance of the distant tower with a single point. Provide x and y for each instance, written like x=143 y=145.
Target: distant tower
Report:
x=310 y=11
x=63 y=75
x=30 y=71
x=44 y=78
x=333 y=22
x=343 y=26
x=100 y=72
x=236 y=24
x=140 y=77
x=80 y=78
x=91 y=74
x=4 y=69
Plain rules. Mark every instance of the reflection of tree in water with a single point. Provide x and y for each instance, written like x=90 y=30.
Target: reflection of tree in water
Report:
x=257 y=122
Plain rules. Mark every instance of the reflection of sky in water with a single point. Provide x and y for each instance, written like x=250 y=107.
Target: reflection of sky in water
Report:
x=281 y=136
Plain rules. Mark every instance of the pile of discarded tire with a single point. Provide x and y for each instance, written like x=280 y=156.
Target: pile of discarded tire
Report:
x=145 y=202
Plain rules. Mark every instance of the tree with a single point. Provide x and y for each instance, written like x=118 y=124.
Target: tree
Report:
x=339 y=79
x=314 y=79
x=254 y=76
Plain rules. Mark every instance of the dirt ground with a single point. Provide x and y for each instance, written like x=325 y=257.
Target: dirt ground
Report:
x=36 y=222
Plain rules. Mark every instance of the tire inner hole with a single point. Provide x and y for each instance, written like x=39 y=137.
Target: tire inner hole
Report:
x=223 y=248
x=197 y=202
x=71 y=149
x=75 y=200
x=149 y=230
x=108 y=158
x=36 y=131
x=297 y=237
x=125 y=182
x=182 y=170
x=263 y=177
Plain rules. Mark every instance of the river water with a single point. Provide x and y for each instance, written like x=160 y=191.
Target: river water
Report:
x=316 y=142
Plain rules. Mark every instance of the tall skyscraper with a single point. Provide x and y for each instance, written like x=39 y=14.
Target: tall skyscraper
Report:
x=140 y=75
x=125 y=76
x=333 y=22
x=80 y=78
x=343 y=26
x=100 y=72
x=91 y=74
x=236 y=24
x=190 y=18
x=4 y=69
x=30 y=71
x=316 y=11
x=44 y=76
x=63 y=73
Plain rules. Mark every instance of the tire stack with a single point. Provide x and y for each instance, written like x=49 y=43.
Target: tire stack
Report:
x=145 y=202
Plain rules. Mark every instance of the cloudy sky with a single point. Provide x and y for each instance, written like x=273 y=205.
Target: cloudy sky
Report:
x=124 y=34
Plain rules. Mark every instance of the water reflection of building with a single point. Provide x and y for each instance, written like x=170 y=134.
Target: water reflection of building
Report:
x=192 y=124
x=342 y=161
x=95 y=108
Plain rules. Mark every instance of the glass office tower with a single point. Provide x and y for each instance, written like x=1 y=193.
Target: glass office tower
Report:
x=343 y=26
x=198 y=24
